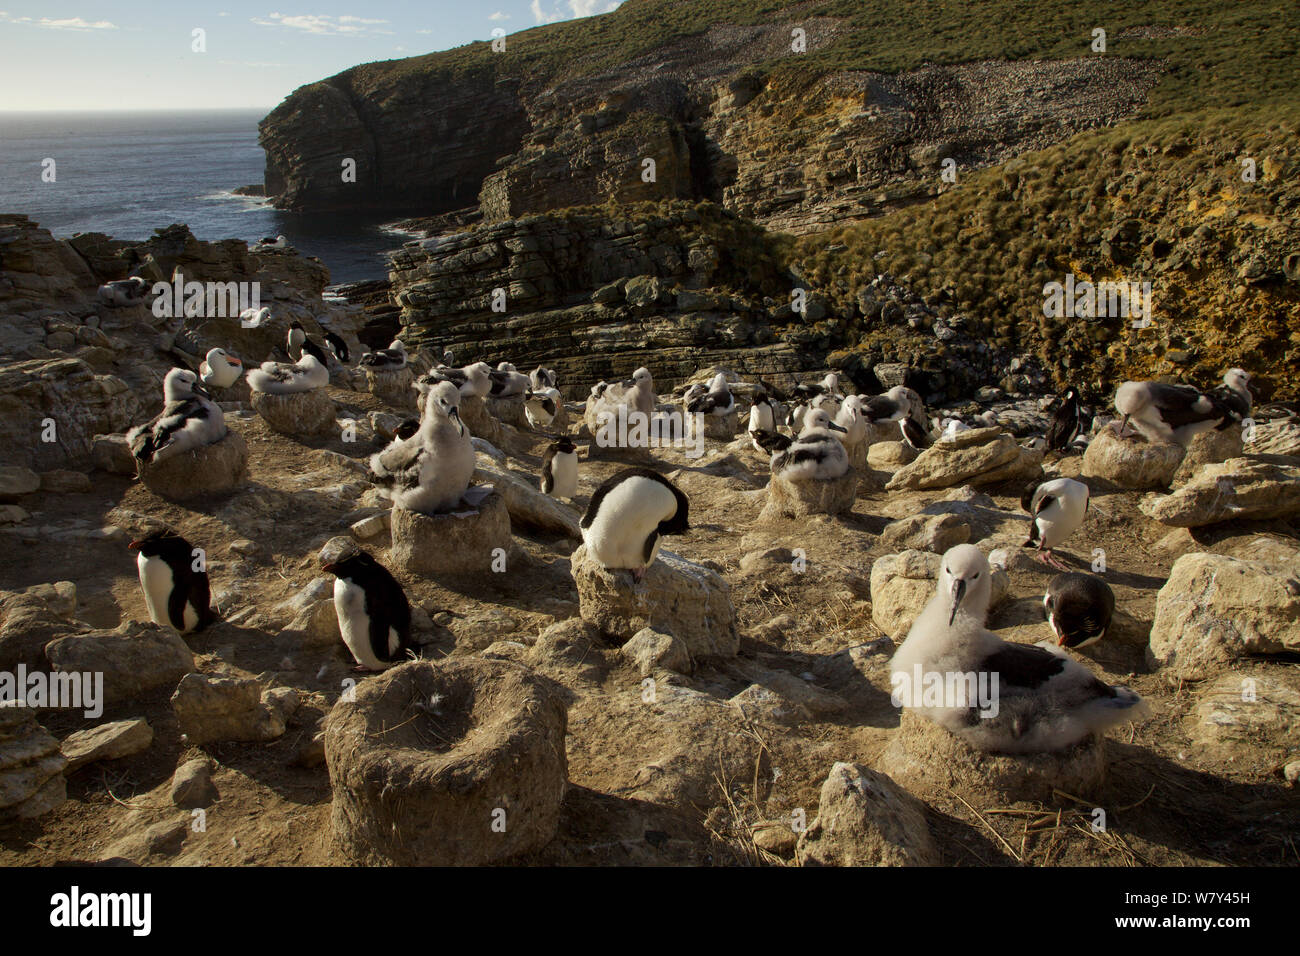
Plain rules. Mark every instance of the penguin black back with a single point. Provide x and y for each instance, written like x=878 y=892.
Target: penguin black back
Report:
x=386 y=605
x=677 y=523
x=1079 y=607
x=1066 y=422
x=189 y=586
x=337 y=346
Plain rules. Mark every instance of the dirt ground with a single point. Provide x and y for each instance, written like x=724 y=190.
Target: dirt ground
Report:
x=1168 y=802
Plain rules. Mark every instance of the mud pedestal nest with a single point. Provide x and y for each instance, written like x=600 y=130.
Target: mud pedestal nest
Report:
x=676 y=596
x=213 y=469
x=393 y=387
x=931 y=763
x=508 y=410
x=457 y=763
x=464 y=542
x=480 y=422
x=1131 y=463
x=297 y=414
x=716 y=427
x=819 y=496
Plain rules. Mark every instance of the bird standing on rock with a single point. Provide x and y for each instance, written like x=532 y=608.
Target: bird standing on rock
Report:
x=1041 y=700
x=1178 y=413
x=430 y=471
x=628 y=516
x=1070 y=421
x=816 y=455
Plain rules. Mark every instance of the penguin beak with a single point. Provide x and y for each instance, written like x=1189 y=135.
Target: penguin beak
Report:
x=133 y=546
x=330 y=568
x=836 y=428
x=958 y=592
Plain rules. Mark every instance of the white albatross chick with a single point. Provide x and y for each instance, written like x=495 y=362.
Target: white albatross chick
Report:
x=430 y=471
x=220 y=369
x=816 y=455
x=280 y=378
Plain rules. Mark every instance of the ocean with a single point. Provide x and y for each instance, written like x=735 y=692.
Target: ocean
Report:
x=127 y=174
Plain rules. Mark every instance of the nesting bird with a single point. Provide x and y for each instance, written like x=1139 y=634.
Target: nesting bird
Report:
x=715 y=400
x=1041 y=700
x=541 y=406
x=637 y=393
x=189 y=419
x=279 y=378
x=628 y=516
x=273 y=242
x=174 y=579
x=121 y=292
x=430 y=471
x=1056 y=510
x=472 y=380
x=1178 y=413
x=816 y=455
x=255 y=318
x=560 y=468
x=853 y=419
x=830 y=385
x=219 y=369
x=391 y=359
x=1078 y=608
x=373 y=612
x=507 y=382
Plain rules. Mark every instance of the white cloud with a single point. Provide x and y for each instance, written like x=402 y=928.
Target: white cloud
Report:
x=324 y=25
x=541 y=16
x=66 y=23
x=498 y=16
x=587 y=8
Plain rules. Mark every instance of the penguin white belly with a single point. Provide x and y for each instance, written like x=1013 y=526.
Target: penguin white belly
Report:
x=564 y=472
x=354 y=624
x=616 y=537
x=156 y=582
x=1061 y=520
x=760 y=418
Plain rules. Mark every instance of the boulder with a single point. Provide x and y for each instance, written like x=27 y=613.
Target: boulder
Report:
x=1130 y=463
x=135 y=659
x=936 y=533
x=192 y=785
x=977 y=456
x=216 y=709
x=1214 y=609
x=63 y=481
x=480 y=422
x=716 y=427
x=214 y=469
x=456 y=763
x=395 y=388
x=929 y=762
x=651 y=650
x=30 y=623
x=1209 y=448
x=817 y=496
x=16 y=481
x=31 y=766
x=890 y=455
x=298 y=414
x=1246 y=716
x=676 y=596
x=112 y=741
x=902 y=584
x=508 y=411
x=865 y=819
x=112 y=453
x=1274 y=438
x=466 y=542
x=528 y=507
x=1237 y=489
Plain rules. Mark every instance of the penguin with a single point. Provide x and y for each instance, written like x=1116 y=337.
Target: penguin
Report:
x=1057 y=509
x=762 y=412
x=560 y=468
x=430 y=471
x=300 y=342
x=391 y=359
x=816 y=454
x=629 y=515
x=1178 y=413
x=337 y=346
x=1069 y=421
x=406 y=429
x=189 y=419
x=1078 y=608
x=278 y=378
x=541 y=406
x=176 y=592
x=374 y=614
x=220 y=369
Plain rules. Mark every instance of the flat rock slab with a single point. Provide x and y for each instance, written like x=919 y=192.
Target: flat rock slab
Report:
x=135 y=659
x=121 y=738
x=528 y=507
x=1130 y=463
x=676 y=596
x=930 y=762
x=458 y=763
x=1209 y=448
x=1237 y=489
x=865 y=819
x=1214 y=609
x=31 y=766
x=976 y=456
x=298 y=414
x=214 y=469
x=818 y=496
x=464 y=542
x=1247 y=714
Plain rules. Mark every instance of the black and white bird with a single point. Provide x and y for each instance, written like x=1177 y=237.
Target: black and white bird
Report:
x=1078 y=608
x=828 y=403
x=628 y=516
x=542 y=377
x=335 y=343
x=391 y=359
x=903 y=405
x=762 y=412
x=189 y=420
x=770 y=442
x=406 y=429
x=637 y=394
x=853 y=419
x=716 y=400
x=1056 y=510
x=1070 y=422
x=560 y=468
x=219 y=369
x=430 y=471
x=473 y=380
x=280 y=378
x=816 y=455
x=541 y=406
x=273 y=242
x=374 y=614
x=1042 y=701
x=255 y=318
x=122 y=292
x=507 y=382
x=300 y=342
x=1178 y=413
x=174 y=578
x=830 y=385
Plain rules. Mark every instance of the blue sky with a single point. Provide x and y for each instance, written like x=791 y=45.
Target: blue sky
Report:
x=63 y=54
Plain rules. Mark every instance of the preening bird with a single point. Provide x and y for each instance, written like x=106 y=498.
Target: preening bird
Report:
x=1041 y=700
x=339 y=347
x=541 y=406
x=189 y=420
x=542 y=378
x=1078 y=608
x=628 y=516
x=1056 y=509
